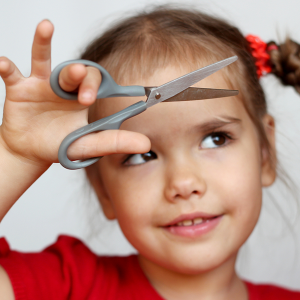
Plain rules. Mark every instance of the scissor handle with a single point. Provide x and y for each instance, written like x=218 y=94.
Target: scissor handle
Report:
x=112 y=122
x=107 y=89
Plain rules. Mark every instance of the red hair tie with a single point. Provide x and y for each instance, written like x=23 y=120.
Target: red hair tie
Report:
x=272 y=47
x=259 y=50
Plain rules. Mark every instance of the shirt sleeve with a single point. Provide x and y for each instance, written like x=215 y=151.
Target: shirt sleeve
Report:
x=65 y=270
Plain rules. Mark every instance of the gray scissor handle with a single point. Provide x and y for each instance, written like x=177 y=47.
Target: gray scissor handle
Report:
x=107 y=89
x=112 y=122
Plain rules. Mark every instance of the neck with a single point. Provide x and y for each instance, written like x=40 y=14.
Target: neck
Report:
x=218 y=283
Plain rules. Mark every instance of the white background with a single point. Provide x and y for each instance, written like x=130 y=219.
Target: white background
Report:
x=61 y=201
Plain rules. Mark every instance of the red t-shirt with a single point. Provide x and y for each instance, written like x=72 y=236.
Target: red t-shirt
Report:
x=69 y=270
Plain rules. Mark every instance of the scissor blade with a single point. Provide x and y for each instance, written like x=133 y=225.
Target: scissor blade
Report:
x=180 y=84
x=193 y=93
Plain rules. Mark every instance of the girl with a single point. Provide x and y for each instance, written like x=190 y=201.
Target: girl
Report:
x=184 y=180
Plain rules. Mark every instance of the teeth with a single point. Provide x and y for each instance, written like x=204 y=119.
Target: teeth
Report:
x=187 y=222
x=190 y=222
x=198 y=221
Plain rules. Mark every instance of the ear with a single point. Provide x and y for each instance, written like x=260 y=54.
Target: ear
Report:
x=268 y=170
x=94 y=177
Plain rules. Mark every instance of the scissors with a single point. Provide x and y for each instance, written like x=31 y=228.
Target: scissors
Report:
x=176 y=90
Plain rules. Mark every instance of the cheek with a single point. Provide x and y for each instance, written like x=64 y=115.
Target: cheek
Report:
x=240 y=185
x=134 y=195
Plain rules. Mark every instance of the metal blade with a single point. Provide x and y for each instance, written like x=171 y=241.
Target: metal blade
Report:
x=180 y=84
x=193 y=93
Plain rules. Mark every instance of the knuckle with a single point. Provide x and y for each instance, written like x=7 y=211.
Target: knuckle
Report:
x=118 y=141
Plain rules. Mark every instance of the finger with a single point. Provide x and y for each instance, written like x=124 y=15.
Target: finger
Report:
x=9 y=72
x=109 y=142
x=89 y=87
x=41 y=50
x=71 y=76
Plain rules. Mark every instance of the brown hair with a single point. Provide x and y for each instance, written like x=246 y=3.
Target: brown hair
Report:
x=285 y=62
x=139 y=45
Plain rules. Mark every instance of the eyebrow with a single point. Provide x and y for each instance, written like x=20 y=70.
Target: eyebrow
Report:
x=219 y=122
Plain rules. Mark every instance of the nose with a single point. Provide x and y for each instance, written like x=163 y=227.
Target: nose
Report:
x=184 y=180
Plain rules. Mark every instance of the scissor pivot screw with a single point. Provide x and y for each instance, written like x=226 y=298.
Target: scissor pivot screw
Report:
x=157 y=96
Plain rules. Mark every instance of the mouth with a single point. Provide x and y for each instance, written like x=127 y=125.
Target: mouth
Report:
x=193 y=225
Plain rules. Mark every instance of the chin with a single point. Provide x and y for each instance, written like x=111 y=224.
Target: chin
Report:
x=196 y=263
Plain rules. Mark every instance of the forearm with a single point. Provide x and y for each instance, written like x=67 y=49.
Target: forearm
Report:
x=17 y=174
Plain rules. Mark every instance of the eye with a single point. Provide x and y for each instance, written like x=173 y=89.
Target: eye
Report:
x=214 y=140
x=138 y=159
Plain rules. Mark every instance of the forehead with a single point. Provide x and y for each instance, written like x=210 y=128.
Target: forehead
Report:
x=174 y=115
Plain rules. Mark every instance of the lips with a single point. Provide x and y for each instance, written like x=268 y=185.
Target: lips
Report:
x=193 y=225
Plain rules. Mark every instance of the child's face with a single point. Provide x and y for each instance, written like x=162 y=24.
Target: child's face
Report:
x=206 y=162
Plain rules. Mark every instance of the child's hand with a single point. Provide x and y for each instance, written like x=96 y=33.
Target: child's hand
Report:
x=35 y=120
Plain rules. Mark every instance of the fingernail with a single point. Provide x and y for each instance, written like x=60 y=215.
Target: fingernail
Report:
x=87 y=96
